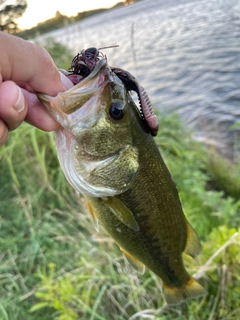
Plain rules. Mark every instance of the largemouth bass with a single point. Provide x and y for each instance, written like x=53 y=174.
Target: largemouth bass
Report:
x=108 y=154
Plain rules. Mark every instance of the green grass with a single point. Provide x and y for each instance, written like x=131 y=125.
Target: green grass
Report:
x=54 y=265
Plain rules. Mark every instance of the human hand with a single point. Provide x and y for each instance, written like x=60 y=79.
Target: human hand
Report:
x=26 y=68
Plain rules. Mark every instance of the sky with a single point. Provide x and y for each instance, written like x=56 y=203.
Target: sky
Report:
x=39 y=11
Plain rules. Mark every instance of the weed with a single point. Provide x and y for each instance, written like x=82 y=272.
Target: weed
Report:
x=53 y=265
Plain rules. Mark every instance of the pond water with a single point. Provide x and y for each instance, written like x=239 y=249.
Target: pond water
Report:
x=186 y=55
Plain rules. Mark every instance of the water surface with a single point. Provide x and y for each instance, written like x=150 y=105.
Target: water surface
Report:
x=185 y=53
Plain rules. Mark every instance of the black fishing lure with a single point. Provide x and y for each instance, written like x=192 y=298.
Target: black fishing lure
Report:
x=85 y=62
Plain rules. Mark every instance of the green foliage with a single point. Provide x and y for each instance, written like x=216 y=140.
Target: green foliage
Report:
x=188 y=161
x=38 y=224
x=225 y=174
x=55 y=266
x=9 y=13
x=61 y=55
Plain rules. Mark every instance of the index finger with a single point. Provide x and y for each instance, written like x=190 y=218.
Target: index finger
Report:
x=23 y=61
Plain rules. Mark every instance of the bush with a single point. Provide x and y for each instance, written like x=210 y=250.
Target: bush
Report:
x=55 y=266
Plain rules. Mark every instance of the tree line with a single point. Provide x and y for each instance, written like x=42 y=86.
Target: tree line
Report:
x=9 y=13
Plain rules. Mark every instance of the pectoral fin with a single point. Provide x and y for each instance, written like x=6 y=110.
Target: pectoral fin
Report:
x=121 y=212
x=92 y=214
x=136 y=264
x=193 y=246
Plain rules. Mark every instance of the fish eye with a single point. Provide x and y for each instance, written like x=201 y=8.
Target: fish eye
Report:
x=116 y=110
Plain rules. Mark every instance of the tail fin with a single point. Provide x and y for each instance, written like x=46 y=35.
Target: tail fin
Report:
x=176 y=295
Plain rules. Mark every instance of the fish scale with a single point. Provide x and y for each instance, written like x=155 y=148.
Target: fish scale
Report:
x=128 y=188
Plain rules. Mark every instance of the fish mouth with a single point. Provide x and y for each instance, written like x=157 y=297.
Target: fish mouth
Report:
x=85 y=80
x=84 y=95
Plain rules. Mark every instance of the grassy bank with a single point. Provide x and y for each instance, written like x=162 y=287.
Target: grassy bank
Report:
x=54 y=265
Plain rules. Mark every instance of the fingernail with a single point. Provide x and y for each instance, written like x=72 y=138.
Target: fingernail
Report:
x=65 y=81
x=20 y=104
